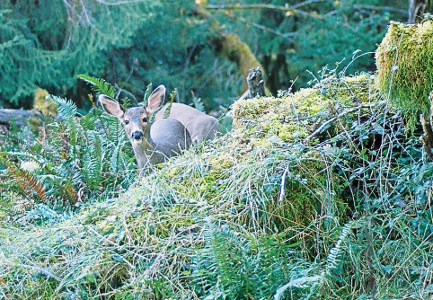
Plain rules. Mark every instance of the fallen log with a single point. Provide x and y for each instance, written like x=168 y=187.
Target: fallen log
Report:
x=19 y=117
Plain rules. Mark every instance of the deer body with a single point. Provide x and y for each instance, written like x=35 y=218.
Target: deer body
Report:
x=200 y=126
x=152 y=144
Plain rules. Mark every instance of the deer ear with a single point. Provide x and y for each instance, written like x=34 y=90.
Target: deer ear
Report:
x=111 y=106
x=156 y=99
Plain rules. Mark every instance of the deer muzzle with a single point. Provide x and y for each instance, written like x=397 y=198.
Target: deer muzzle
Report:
x=137 y=135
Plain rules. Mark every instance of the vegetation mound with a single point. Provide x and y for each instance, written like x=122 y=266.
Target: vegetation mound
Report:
x=314 y=195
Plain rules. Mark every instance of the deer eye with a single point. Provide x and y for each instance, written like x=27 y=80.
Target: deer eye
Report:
x=126 y=122
x=144 y=119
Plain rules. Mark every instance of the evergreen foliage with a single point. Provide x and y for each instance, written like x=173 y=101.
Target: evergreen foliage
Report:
x=168 y=42
x=47 y=45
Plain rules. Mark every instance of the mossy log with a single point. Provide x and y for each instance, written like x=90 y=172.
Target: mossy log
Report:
x=18 y=117
x=42 y=105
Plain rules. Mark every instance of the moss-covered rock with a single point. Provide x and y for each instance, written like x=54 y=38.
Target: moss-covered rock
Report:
x=405 y=67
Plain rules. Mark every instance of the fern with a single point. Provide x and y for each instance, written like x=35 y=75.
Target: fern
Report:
x=79 y=158
x=170 y=103
x=332 y=260
x=99 y=85
x=147 y=92
x=67 y=109
x=298 y=283
x=198 y=103
x=313 y=282
x=239 y=265
x=28 y=185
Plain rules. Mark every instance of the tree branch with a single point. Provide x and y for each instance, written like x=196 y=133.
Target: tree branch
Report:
x=386 y=8
x=290 y=10
x=320 y=129
x=261 y=27
x=294 y=8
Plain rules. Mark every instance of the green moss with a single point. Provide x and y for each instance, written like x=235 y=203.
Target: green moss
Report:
x=293 y=117
x=405 y=67
x=43 y=103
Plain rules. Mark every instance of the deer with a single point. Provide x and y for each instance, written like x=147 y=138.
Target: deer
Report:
x=200 y=126
x=152 y=143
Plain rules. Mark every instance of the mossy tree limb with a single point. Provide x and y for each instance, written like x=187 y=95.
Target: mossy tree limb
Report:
x=231 y=46
x=256 y=85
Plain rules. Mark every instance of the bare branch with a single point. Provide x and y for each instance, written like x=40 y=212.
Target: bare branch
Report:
x=320 y=129
x=261 y=27
x=294 y=8
x=306 y=3
x=289 y=10
x=120 y=2
x=386 y=8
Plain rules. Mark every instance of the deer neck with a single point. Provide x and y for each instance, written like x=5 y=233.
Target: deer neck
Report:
x=145 y=152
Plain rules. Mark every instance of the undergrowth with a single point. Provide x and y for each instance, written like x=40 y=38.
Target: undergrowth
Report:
x=67 y=161
x=321 y=194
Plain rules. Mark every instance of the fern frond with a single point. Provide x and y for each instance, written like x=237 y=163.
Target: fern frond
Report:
x=299 y=283
x=71 y=193
x=99 y=85
x=334 y=252
x=198 y=103
x=27 y=182
x=148 y=92
x=115 y=156
x=170 y=103
x=35 y=158
x=67 y=109
x=88 y=121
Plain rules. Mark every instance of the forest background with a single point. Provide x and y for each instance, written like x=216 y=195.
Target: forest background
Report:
x=194 y=47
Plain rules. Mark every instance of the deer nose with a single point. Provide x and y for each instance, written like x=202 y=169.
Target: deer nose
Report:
x=138 y=135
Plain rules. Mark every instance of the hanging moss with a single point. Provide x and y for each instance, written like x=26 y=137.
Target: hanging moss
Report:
x=405 y=67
